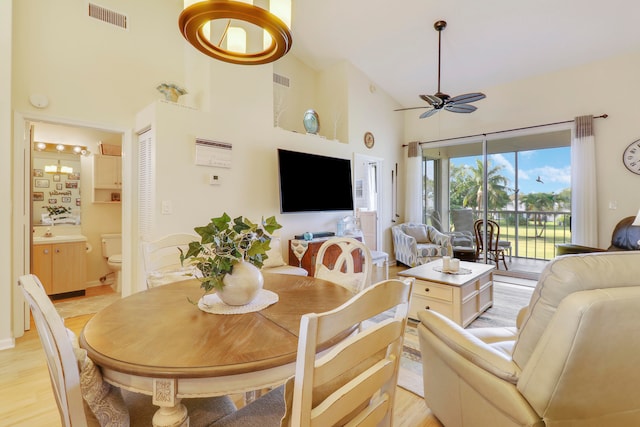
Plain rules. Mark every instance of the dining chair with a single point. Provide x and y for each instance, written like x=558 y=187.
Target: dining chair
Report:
x=494 y=251
x=354 y=381
x=82 y=397
x=162 y=259
x=335 y=262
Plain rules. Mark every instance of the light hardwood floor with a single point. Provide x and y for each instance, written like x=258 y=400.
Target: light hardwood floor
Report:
x=27 y=398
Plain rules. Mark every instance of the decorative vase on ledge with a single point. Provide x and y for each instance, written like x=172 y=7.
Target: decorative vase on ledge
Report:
x=242 y=286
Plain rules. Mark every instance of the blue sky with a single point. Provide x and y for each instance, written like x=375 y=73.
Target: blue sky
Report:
x=552 y=165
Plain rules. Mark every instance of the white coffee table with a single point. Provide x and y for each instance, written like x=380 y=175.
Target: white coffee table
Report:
x=462 y=296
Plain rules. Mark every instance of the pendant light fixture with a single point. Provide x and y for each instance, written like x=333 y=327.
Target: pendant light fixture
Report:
x=194 y=18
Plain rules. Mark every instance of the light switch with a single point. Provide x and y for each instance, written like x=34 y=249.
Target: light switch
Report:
x=167 y=207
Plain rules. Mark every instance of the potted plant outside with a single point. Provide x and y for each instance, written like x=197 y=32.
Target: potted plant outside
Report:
x=229 y=256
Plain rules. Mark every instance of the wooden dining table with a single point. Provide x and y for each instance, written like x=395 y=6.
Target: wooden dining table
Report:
x=158 y=343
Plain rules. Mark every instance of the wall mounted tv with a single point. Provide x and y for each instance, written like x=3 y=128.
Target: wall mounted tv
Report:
x=314 y=183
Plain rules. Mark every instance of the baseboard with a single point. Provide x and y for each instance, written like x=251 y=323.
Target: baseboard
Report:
x=7 y=343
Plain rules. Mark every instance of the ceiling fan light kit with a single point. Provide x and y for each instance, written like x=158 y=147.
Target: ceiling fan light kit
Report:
x=442 y=101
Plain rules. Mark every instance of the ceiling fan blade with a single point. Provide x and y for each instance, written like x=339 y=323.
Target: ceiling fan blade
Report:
x=428 y=113
x=431 y=99
x=411 y=108
x=460 y=108
x=467 y=97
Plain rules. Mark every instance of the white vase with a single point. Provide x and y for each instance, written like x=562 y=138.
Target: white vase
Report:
x=243 y=285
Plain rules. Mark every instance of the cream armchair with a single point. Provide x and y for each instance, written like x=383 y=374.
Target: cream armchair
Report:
x=573 y=361
x=416 y=244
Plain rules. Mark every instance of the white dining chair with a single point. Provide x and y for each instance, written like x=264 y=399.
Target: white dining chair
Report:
x=335 y=262
x=91 y=401
x=162 y=259
x=352 y=383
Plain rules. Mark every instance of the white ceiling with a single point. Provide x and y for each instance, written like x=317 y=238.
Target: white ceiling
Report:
x=486 y=42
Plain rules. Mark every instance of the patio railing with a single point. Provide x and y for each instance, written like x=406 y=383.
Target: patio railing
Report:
x=533 y=234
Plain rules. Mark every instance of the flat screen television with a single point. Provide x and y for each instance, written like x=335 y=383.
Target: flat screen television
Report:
x=314 y=183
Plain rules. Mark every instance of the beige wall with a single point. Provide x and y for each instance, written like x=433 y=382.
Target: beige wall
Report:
x=99 y=76
x=602 y=87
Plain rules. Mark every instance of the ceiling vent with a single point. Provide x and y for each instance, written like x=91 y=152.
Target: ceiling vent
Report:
x=281 y=80
x=109 y=16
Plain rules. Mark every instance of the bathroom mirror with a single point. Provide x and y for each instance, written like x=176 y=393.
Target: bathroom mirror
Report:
x=55 y=189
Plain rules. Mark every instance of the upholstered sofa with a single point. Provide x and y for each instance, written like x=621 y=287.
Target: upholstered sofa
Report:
x=572 y=360
x=625 y=237
x=416 y=243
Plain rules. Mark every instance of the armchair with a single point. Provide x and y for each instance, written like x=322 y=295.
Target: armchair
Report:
x=416 y=244
x=573 y=360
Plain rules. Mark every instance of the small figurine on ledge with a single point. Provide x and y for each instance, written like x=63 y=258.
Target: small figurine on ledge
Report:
x=171 y=91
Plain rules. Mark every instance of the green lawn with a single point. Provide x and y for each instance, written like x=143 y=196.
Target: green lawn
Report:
x=534 y=240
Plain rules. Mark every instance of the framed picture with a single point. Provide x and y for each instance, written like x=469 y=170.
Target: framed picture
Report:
x=38 y=173
x=41 y=183
x=74 y=176
x=77 y=202
x=115 y=197
x=66 y=200
x=38 y=196
x=53 y=201
x=56 y=178
x=59 y=186
x=73 y=184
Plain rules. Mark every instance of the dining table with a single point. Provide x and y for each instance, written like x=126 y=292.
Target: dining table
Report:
x=158 y=342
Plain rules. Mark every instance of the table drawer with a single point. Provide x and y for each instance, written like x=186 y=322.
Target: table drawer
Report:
x=433 y=290
x=419 y=303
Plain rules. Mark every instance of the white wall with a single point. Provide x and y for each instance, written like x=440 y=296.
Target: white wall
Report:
x=97 y=74
x=608 y=86
x=6 y=261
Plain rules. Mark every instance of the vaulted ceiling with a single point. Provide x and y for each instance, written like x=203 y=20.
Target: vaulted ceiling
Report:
x=486 y=42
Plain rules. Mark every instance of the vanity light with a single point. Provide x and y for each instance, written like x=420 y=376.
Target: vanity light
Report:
x=60 y=147
x=58 y=169
x=193 y=19
x=40 y=146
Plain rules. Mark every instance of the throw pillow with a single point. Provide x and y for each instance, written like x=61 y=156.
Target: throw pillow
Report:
x=275 y=254
x=352 y=282
x=418 y=232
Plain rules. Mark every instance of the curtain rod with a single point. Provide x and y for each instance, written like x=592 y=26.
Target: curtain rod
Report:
x=602 y=116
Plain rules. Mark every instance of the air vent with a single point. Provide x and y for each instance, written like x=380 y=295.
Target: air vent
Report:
x=108 y=16
x=281 y=80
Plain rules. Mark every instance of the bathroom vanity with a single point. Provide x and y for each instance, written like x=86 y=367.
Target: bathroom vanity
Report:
x=60 y=263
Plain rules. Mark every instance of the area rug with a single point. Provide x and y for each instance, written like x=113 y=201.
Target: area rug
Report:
x=508 y=299
x=81 y=306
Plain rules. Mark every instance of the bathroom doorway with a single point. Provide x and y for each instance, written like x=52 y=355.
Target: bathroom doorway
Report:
x=38 y=128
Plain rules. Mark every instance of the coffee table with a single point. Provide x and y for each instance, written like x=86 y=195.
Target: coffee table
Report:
x=461 y=297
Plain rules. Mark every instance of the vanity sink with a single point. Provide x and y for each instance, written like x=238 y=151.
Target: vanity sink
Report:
x=68 y=238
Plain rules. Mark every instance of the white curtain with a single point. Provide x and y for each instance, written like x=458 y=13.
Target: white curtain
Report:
x=413 y=180
x=584 y=206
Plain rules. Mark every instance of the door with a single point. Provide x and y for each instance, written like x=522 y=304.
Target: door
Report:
x=368 y=198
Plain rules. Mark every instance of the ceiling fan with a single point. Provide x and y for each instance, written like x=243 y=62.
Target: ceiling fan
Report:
x=439 y=101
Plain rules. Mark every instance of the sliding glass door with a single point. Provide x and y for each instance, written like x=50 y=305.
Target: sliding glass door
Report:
x=522 y=182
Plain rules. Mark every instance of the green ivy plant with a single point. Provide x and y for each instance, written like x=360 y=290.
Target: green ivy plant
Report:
x=224 y=243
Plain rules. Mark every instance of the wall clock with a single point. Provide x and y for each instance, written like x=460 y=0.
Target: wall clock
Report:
x=311 y=121
x=631 y=157
x=369 y=140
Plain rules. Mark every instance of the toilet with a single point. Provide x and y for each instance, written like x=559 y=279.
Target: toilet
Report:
x=112 y=251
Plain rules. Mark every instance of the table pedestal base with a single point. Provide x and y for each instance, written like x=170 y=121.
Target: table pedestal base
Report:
x=171 y=413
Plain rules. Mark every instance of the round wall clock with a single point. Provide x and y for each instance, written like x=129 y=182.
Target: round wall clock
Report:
x=311 y=121
x=369 y=139
x=631 y=157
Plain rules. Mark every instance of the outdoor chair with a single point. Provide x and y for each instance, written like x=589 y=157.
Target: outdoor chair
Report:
x=493 y=247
